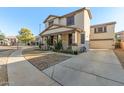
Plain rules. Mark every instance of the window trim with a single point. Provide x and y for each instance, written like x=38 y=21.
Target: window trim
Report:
x=50 y=22
x=105 y=29
x=82 y=38
x=102 y=31
x=70 y=20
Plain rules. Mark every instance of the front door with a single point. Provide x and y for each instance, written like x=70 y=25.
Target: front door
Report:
x=51 y=40
x=69 y=39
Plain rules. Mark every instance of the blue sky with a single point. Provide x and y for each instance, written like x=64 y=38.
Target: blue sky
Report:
x=13 y=19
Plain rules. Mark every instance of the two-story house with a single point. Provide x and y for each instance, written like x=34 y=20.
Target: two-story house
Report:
x=102 y=36
x=120 y=35
x=72 y=28
x=75 y=28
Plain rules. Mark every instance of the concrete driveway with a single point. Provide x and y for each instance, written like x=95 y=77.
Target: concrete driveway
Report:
x=96 y=67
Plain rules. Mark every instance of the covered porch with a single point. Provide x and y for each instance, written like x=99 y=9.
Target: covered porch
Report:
x=68 y=35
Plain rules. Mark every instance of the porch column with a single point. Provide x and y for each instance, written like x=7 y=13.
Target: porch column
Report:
x=44 y=39
x=87 y=34
x=74 y=37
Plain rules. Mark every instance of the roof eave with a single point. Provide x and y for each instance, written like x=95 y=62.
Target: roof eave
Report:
x=50 y=16
x=108 y=23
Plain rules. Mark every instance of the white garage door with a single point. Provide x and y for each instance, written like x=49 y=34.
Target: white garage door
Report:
x=101 y=44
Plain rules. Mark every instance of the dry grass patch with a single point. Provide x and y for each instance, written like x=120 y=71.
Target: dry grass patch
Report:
x=43 y=59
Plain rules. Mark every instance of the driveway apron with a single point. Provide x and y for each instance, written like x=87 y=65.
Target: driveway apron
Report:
x=96 y=67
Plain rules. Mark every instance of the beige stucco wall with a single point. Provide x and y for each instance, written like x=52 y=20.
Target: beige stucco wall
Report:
x=65 y=40
x=106 y=43
x=86 y=28
x=108 y=34
x=63 y=21
x=78 y=20
x=56 y=21
x=86 y=25
x=78 y=38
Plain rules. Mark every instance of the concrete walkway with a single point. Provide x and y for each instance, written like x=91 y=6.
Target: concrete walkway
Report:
x=22 y=73
x=3 y=66
x=96 y=67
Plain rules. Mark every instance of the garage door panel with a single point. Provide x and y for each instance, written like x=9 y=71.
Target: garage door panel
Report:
x=102 y=44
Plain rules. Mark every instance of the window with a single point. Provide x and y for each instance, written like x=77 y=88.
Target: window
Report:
x=95 y=30
x=51 y=40
x=70 y=20
x=105 y=29
x=82 y=38
x=100 y=30
x=50 y=23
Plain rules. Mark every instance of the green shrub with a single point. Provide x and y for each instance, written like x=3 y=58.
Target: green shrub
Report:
x=117 y=45
x=75 y=52
x=58 y=45
x=69 y=51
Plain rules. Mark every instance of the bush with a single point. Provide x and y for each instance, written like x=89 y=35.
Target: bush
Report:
x=75 y=52
x=117 y=45
x=58 y=45
x=69 y=51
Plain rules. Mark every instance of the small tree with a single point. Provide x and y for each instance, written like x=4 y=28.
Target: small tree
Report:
x=48 y=43
x=2 y=36
x=25 y=35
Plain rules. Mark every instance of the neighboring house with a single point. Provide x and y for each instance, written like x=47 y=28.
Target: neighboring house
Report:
x=75 y=29
x=103 y=36
x=11 y=40
x=3 y=42
x=37 y=40
x=72 y=28
x=120 y=35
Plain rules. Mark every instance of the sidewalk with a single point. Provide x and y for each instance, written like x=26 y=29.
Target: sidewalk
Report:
x=3 y=66
x=22 y=73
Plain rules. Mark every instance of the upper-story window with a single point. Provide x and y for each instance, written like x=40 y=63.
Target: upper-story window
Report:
x=70 y=20
x=51 y=23
x=100 y=30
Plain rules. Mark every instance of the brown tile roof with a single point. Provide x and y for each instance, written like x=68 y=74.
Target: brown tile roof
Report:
x=59 y=26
